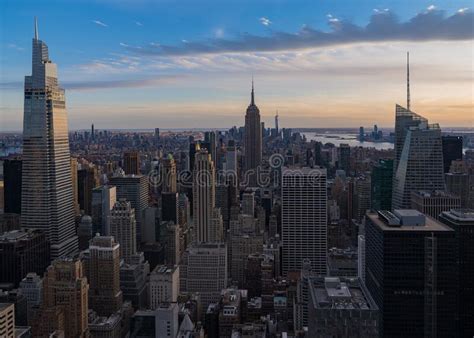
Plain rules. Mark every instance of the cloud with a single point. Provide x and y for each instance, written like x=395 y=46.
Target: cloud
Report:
x=99 y=23
x=123 y=44
x=138 y=23
x=265 y=21
x=15 y=47
x=383 y=26
x=105 y=84
x=219 y=33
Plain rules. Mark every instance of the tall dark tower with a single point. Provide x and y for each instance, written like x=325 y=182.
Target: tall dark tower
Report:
x=253 y=139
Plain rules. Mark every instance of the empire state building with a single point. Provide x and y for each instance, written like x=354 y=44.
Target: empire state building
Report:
x=47 y=199
x=253 y=141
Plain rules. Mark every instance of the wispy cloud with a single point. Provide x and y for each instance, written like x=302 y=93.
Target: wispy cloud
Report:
x=15 y=47
x=99 y=23
x=384 y=25
x=265 y=21
x=123 y=44
x=138 y=23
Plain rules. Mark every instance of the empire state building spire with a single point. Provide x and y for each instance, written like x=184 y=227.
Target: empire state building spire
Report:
x=253 y=140
x=252 y=100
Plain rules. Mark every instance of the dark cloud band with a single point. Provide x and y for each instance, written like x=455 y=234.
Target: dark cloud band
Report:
x=383 y=26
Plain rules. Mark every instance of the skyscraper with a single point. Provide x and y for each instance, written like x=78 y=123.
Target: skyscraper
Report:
x=131 y=162
x=203 y=195
x=12 y=185
x=381 y=185
x=411 y=273
x=87 y=180
x=344 y=157
x=103 y=200
x=419 y=157
x=168 y=174
x=452 y=150
x=253 y=140
x=105 y=296
x=462 y=222
x=203 y=269
x=133 y=188
x=65 y=304
x=46 y=199
x=304 y=219
x=123 y=228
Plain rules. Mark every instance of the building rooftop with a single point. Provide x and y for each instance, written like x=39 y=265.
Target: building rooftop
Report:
x=433 y=194
x=16 y=235
x=463 y=215
x=337 y=293
x=389 y=221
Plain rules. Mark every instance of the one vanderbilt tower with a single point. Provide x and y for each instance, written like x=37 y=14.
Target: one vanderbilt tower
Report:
x=47 y=198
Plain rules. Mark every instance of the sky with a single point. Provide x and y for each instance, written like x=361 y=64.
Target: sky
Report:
x=178 y=64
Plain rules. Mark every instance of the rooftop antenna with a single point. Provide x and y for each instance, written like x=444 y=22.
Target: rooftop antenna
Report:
x=36 y=28
x=408 y=80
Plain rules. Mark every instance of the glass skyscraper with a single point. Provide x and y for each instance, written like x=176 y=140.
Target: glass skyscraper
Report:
x=418 y=157
x=47 y=199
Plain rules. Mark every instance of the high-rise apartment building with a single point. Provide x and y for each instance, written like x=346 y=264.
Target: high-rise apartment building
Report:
x=203 y=269
x=123 y=228
x=252 y=141
x=203 y=195
x=87 y=180
x=103 y=200
x=304 y=219
x=65 y=300
x=168 y=174
x=46 y=197
x=164 y=285
x=419 y=157
x=105 y=296
x=12 y=185
x=411 y=273
x=134 y=188
x=131 y=162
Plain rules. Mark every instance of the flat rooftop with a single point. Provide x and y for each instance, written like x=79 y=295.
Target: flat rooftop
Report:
x=340 y=293
x=429 y=226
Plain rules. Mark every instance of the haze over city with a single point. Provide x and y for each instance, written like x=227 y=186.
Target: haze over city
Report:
x=140 y=64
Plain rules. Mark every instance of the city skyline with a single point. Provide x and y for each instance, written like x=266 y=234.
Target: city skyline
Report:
x=309 y=62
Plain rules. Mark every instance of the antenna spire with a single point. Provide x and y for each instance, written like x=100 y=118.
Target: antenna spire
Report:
x=36 y=28
x=252 y=101
x=408 y=80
